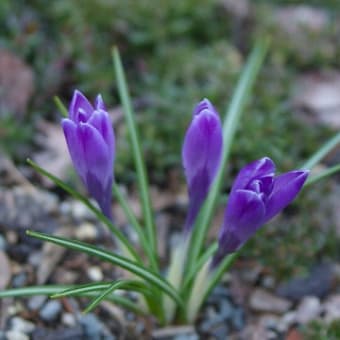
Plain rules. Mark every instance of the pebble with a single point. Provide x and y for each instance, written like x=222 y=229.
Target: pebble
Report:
x=263 y=301
x=331 y=308
x=94 y=329
x=19 y=280
x=15 y=335
x=318 y=283
x=287 y=321
x=309 y=309
x=95 y=274
x=238 y=319
x=68 y=319
x=86 y=231
x=21 y=325
x=2 y=242
x=51 y=310
x=35 y=302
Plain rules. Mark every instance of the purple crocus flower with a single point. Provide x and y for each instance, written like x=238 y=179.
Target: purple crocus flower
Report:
x=255 y=198
x=201 y=155
x=90 y=140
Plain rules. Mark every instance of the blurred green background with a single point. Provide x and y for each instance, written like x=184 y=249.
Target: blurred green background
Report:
x=175 y=53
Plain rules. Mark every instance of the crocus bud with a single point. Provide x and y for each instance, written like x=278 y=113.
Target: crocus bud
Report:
x=201 y=156
x=90 y=140
x=255 y=198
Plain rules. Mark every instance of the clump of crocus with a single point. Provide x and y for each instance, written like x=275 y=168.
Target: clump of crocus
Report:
x=201 y=156
x=90 y=140
x=257 y=195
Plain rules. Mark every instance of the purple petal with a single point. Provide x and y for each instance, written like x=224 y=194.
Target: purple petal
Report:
x=259 y=168
x=285 y=189
x=99 y=103
x=102 y=122
x=79 y=106
x=202 y=145
x=198 y=190
x=205 y=104
x=243 y=216
x=102 y=194
x=96 y=154
x=201 y=156
x=75 y=146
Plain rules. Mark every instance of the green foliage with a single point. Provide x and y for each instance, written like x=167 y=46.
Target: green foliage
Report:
x=317 y=330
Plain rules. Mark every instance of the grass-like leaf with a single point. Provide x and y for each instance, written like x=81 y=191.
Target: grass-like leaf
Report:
x=322 y=152
x=152 y=278
x=233 y=116
x=61 y=107
x=137 y=154
x=119 y=284
x=327 y=172
x=89 y=205
x=135 y=224
x=54 y=289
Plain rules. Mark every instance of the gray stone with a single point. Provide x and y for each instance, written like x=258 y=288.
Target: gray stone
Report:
x=318 y=283
x=15 y=335
x=309 y=309
x=263 y=301
x=92 y=326
x=19 y=280
x=287 y=321
x=2 y=242
x=35 y=302
x=331 y=308
x=238 y=319
x=51 y=310
x=21 y=325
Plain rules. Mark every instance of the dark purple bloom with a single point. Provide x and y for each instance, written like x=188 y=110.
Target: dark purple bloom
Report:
x=255 y=198
x=201 y=155
x=90 y=140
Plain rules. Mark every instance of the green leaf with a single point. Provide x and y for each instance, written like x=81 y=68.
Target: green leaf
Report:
x=137 y=154
x=134 y=223
x=119 y=284
x=322 y=152
x=61 y=107
x=220 y=270
x=133 y=267
x=91 y=207
x=233 y=115
x=199 y=264
x=54 y=289
x=328 y=172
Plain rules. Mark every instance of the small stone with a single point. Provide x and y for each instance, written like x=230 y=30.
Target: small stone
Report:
x=92 y=326
x=318 y=283
x=309 y=309
x=5 y=270
x=238 y=319
x=68 y=319
x=332 y=308
x=287 y=321
x=226 y=310
x=220 y=332
x=2 y=242
x=95 y=274
x=19 y=280
x=263 y=301
x=21 y=325
x=35 y=302
x=86 y=231
x=268 y=282
x=269 y=321
x=51 y=310
x=15 y=335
